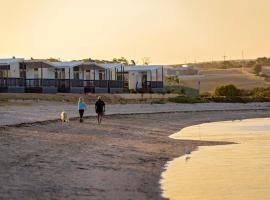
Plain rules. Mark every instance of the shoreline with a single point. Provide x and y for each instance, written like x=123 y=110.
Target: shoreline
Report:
x=212 y=162
x=50 y=111
x=126 y=155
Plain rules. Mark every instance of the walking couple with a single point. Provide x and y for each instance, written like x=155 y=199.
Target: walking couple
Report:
x=99 y=107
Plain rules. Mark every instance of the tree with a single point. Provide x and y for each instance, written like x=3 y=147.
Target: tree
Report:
x=227 y=90
x=133 y=62
x=257 y=68
x=146 y=60
x=263 y=61
x=53 y=59
x=121 y=60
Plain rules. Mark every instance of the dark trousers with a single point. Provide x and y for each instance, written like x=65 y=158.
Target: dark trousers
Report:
x=81 y=113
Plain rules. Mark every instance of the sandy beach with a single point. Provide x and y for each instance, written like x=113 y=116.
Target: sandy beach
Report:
x=121 y=159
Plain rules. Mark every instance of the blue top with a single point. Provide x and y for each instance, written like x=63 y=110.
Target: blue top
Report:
x=81 y=105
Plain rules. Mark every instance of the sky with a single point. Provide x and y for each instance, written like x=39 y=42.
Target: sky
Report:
x=167 y=31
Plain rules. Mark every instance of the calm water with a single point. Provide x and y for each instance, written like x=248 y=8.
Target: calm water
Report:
x=238 y=171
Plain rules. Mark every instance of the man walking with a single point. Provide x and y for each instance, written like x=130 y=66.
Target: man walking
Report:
x=100 y=109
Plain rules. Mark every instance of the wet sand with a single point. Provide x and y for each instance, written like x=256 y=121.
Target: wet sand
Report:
x=121 y=159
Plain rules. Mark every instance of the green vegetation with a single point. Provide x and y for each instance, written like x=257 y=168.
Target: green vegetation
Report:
x=231 y=94
x=257 y=69
x=172 y=80
x=261 y=92
x=187 y=99
x=181 y=90
x=227 y=90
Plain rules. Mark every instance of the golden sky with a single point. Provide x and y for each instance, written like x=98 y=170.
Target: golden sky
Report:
x=168 y=31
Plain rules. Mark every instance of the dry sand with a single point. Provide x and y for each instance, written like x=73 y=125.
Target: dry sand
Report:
x=121 y=159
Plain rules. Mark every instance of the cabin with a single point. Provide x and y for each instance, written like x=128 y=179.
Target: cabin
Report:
x=114 y=72
x=10 y=75
x=144 y=78
x=42 y=76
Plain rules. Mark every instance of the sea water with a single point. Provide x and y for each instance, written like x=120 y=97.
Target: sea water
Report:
x=235 y=172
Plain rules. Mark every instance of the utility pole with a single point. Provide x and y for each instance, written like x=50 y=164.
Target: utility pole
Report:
x=224 y=57
x=243 y=60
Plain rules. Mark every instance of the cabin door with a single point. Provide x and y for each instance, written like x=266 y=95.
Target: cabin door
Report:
x=144 y=79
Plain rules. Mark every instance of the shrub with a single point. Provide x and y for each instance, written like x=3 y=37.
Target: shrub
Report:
x=257 y=68
x=186 y=99
x=172 y=80
x=246 y=99
x=227 y=91
x=205 y=94
x=261 y=92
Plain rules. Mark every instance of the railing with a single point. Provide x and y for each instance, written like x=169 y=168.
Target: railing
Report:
x=11 y=82
x=116 y=84
x=40 y=82
x=63 y=83
x=89 y=83
x=101 y=83
x=77 y=83
x=60 y=83
x=152 y=84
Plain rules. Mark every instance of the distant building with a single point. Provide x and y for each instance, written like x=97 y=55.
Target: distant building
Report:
x=179 y=71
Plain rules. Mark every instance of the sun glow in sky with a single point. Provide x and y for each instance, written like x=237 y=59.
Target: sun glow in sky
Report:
x=168 y=31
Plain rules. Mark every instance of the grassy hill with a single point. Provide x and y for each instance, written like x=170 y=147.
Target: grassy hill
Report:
x=211 y=78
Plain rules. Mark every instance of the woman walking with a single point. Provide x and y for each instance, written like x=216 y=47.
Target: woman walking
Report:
x=100 y=109
x=81 y=107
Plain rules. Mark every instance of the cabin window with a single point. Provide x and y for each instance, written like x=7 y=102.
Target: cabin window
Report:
x=60 y=74
x=101 y=75
x=88 y=74
x=3 y=73
x=125 y=76
x=76 y=75
x=35 y=73
x=22 y=74
x=22 y=71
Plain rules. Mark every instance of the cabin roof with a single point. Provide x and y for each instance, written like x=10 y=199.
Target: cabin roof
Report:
x=143 y=68
x=111 y=65
x=10 y=60
x=64 y=64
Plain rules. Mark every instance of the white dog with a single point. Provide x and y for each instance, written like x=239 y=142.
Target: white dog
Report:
x=64 y=117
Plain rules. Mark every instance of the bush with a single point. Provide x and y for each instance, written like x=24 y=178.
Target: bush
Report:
x=181 y=90
x=186 y=99
x=261 y=92
x=238 y=99
x=172 y=80
x=257 y=68
x=205 y=94
x=227 y=91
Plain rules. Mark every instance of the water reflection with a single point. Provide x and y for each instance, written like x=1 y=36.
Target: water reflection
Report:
x=238 y=171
